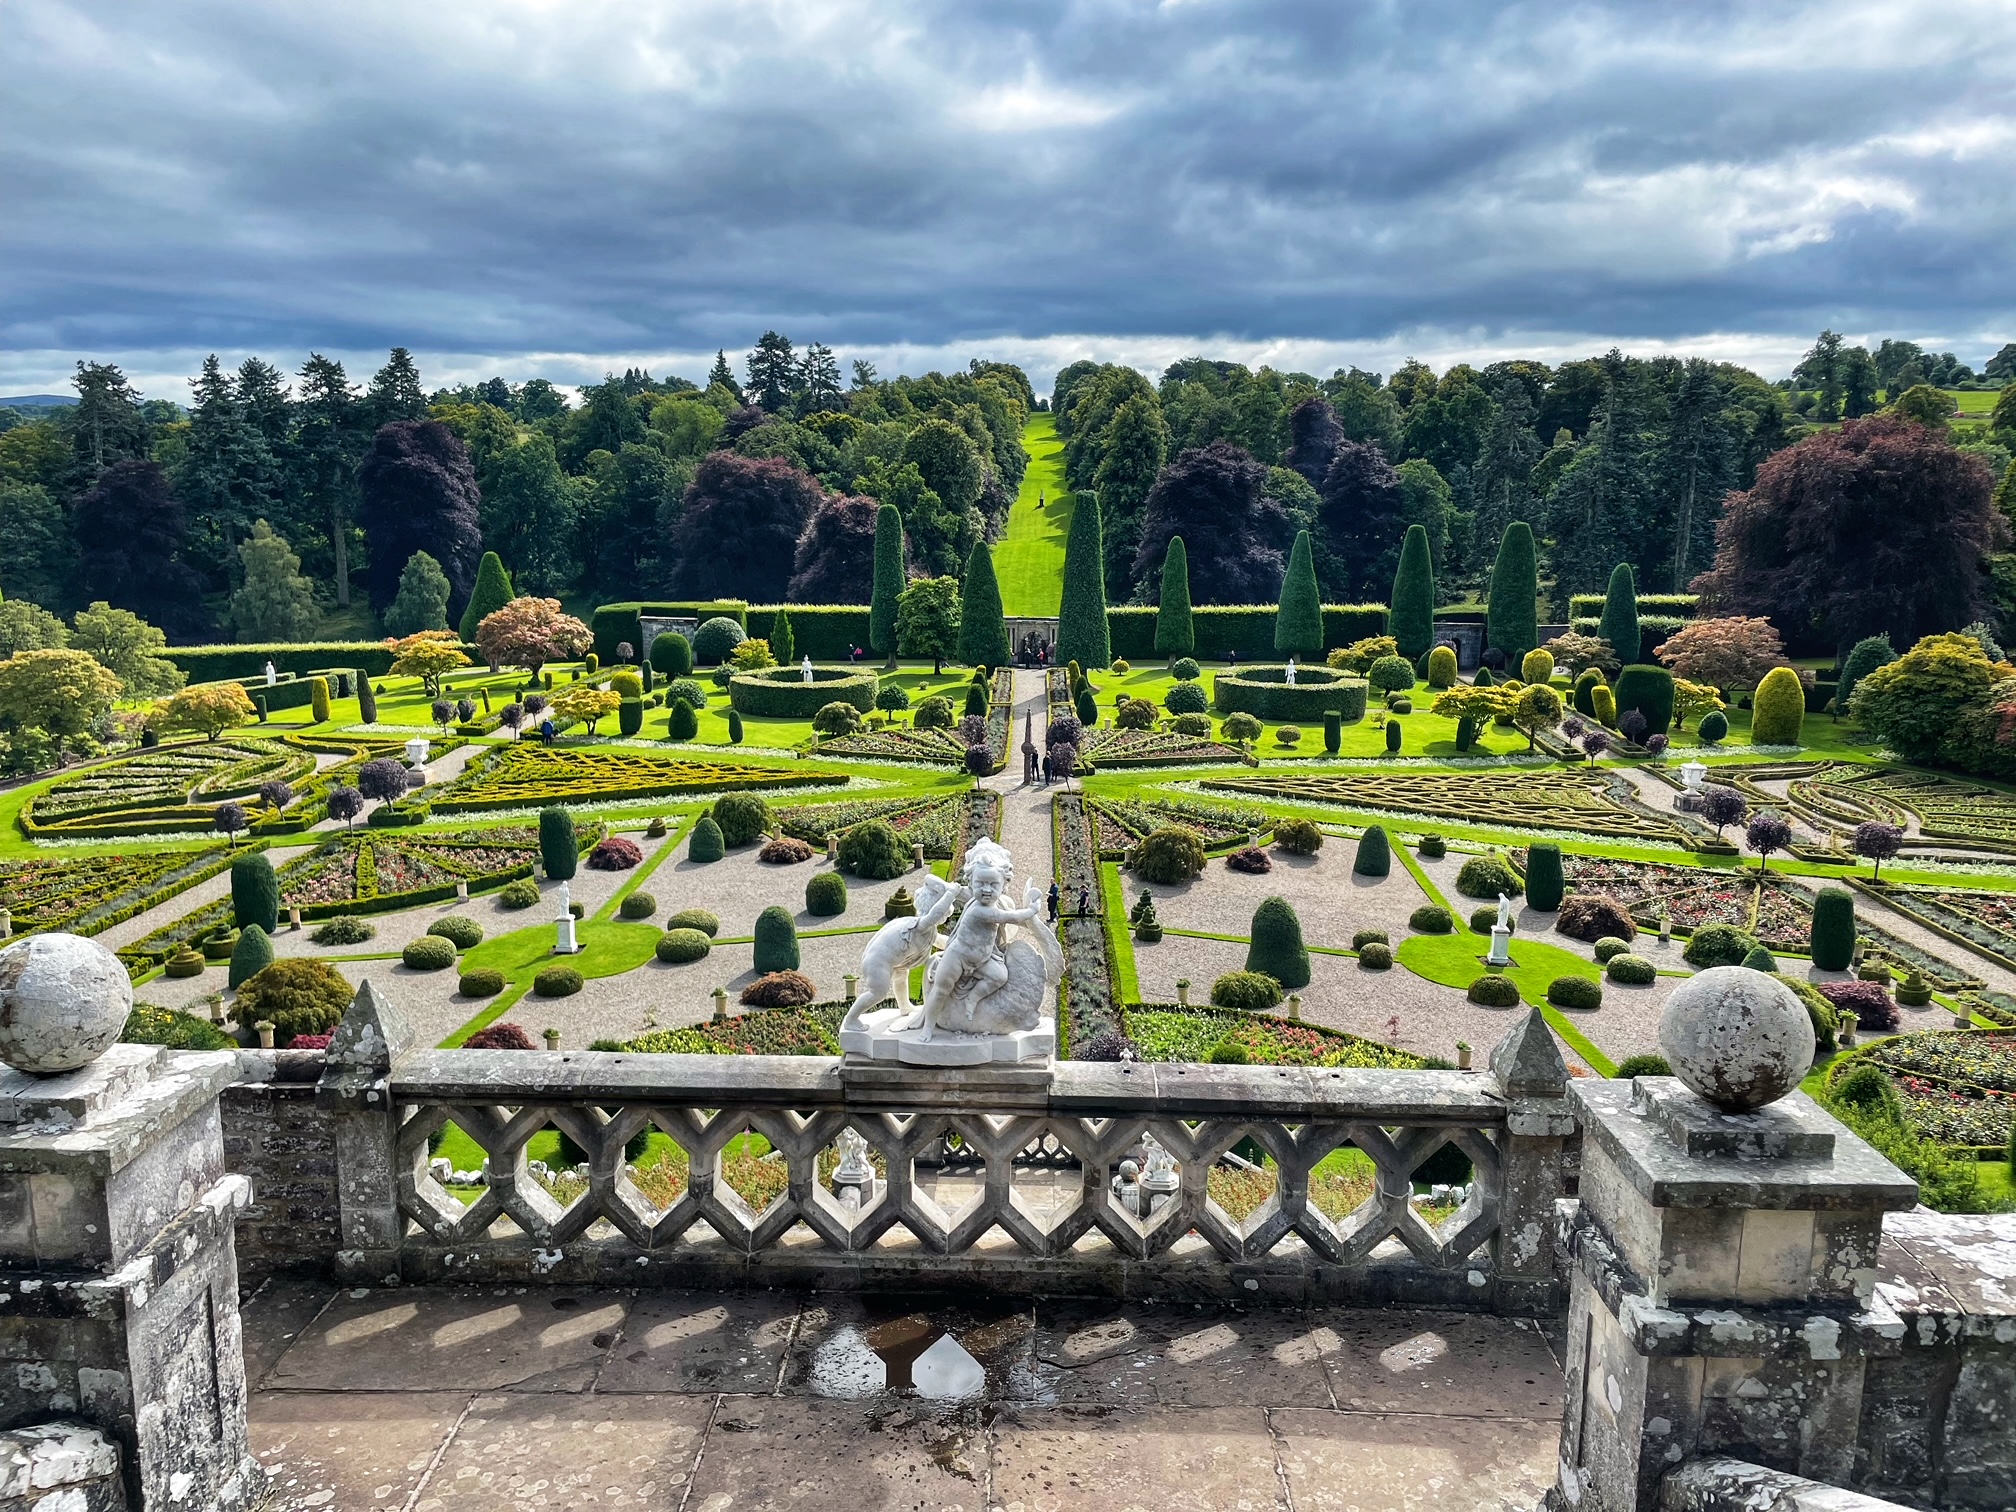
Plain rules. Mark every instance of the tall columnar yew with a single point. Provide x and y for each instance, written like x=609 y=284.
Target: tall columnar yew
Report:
x=255 y=892
x=783 y=643
x=1175 y=632
x=1512 y=618
x=1277 y=947
x=1619 y=624
x=491 y=593
x=983 y=628
x=559 y=848
x=1082 y=635
x=889 y=582
x=1298 y=622
x=776 y=941
x=1413 y=618
x=1544 y=881
x=1833 y=940
x=1649 y=690
x=1778 y=709
x=1375 y=853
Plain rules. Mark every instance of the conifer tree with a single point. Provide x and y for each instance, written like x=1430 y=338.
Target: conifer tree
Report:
x=1412 y=619
x=783 y=643
x=1082 y=634
x=889 y=582
x=274 y=602
x=1175 y=631
x=1512 y=618
x=422 y=602
x=491 y=593
x=1298 y=622
x=983 y=628
x=1619 y=625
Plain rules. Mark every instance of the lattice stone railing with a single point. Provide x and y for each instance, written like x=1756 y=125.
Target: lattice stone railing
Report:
x=1031 y=1224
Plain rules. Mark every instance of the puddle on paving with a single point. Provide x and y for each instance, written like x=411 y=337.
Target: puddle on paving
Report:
x=915 y=1355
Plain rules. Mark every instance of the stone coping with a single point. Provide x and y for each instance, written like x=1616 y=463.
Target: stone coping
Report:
x=98 y=1120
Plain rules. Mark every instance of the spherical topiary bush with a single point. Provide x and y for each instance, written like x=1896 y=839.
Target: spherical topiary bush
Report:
x=1249 y=991
x=557 y=982
x=715 y=639
x=1431 y=918
x=1487 y=877
x=742 y=817
x=1432 y=848
x=874 y=850
x=695 y=918
x=297 y=995
x=1869 y=1091
x=639 y=905
x=776 y=940
x=836 y=719
x=785 y=850
x=1135 y=714
x=1714 y=727
x=482 y=982
x=1277 y=947
x=1442 y=667
x=891 y=697
x=1289 y=735
x=826 y=895
x=1718 y=945
x=1375 y=955
x=705 y=843
x=779 y=989
x=1545 y=883
x=688 y=691
x=1630 y=970
x=1494 y=991
x=1537 y=666
x=1185 y=669
x=1186 y=698
x=1174 y=853
x=1592 y=915
x=1390 y=674
x=1364 y=937
x=616 y=853
x=1375 y=853
x=1575 y=992
x=1229 y=1052
x=428 y=953
x=934 y=713
x=1610 y=946
x=1298 y=837
x=1778 y=709
x=1240 y=727
x=1642 y=1065
x=676 y=947
x=1195 y=725
x=523 y=893
x=459 y=931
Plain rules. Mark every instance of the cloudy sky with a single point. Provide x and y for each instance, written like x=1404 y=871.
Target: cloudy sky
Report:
x=538 y=187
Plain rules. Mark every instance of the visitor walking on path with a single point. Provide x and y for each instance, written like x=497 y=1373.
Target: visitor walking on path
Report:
x=1056 y=896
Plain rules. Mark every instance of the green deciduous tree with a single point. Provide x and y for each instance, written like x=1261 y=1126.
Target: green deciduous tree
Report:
x=927 y=620
x=273 y=602
x=528 y=514
x=1175 y=630
x=1298 y=622
x=1082 y=632
x=29 y=627
x=983 y=628
x=1412 y=618
x=129 y=648
x=57 y=691
x=38 y=559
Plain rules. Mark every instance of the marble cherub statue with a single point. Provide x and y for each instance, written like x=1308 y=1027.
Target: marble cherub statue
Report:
x=900 y=945
x=999 y=963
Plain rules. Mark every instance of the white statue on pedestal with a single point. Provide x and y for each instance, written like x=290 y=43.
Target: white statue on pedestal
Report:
x=1501 y=934
x=986 y=993
x=805 y=667
x=1291 y=671
x=272 y=676
x=564 y=942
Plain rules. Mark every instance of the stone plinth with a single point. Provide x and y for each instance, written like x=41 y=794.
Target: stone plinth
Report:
x=118 y=1271
x=60 y=1467
x=1722 y=1292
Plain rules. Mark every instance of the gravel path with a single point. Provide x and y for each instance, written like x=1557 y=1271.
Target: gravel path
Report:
x=1025 y=809
x=1331 y=902
x=187 y=901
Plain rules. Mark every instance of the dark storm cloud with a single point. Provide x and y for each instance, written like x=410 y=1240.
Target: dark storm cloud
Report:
x=512 y=178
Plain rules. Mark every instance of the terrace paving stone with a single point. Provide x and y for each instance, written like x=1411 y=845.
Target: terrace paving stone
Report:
x=1115 y=1354
x=794 y=1452
x=703 y=1341
x=1361 y=1462
x=275 y=1315
x=569 y=1454
x=1463 y=1364
x=1157 y=1459
x=339 y=1451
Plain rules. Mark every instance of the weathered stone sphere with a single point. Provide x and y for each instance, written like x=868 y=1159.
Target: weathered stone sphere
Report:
x=63 y=1001
x=1739 y=1038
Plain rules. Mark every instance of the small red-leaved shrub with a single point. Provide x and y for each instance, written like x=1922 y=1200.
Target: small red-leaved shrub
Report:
x=615 y=854
x=499 y=1037
x=784 y=851
x=1868 y=1001
x=780 y=989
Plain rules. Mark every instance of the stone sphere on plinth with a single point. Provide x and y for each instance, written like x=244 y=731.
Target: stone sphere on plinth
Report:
x=1739 y=1038
x=63 y=1002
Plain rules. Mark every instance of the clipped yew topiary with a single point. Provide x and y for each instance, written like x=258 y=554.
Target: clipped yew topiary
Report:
x=1361 y=938
x=1298 y=621
x=1487 y=877
x=558 y=982
x=776 y=940
x=1631 y=971
x=1484 y=919
x=682 y=723
x=1592 y=915
x=741 y=816
x=1175 y=629
x=1277 y=947
x=1545 y=883
x=1642 y=1065
x=428 y=953
x=1609 y=946
x=1778 y=709
x=457 y=930
x=480 y=983
x=1333 y=731
x=1431 y=918
x=1249 y=991
x=706 y=843
x=1375 y=955
x=524 y=893
x=1536 y=666
x=297 y=995
x=677 y=947
x=1082 y=632
x=716 y=639
x=1619 y=624
x=1174 y=853
x=1648 y=690
x=1512 y=617
x=1186 y=698
x=1442 y=672
x=1832 y=943
x=1493 y=991
x=255 y=893
x=1584 y=694
x=1375 y=853
x=1412 y=620
x=1393 y=736
x=1298 y=837
x=559 y=846
x=671 y=654
x=695 y=918
x=1761 y=959
x=1432 y=848
x=638 y=905
x=251 y=955
x=874 y=850
x=1718 y=945
x=1575 y=992
x=1714 y=727
x=826 y=895
x=1603 y=704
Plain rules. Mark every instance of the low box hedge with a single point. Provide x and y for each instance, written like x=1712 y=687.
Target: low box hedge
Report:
x=1265 y=693
x=782 y=692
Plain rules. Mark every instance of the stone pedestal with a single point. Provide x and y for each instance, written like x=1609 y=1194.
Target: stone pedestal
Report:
x=1501 y=940
x=1721 y=1291
x=118 y=1270
x=564 y=941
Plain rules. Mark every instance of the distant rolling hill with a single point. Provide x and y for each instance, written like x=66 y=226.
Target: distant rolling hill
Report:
x=36 y=401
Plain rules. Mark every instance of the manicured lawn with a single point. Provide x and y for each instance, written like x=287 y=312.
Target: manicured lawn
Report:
x=608 y=949
x=1974 y=403
x=1029 y=557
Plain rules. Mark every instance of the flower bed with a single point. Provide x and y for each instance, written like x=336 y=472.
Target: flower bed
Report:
x=85 y=894
x=811 y=1030
x=1090 y=1008
x=1985 y=920
x=530 y=776
x=1588 y=802
x=1167 y=1032
x=1119 y=823
x=163 y=790
x=934 y=823
x=1958 y=1086
x=1946 y=808
x=1106 y=747
x=938 y=747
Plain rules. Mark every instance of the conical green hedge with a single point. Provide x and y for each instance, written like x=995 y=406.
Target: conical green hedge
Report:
x=1082 y=634
x=783 y=642
x=983 y=629
x=1375 y=853
x=706 y=844
x=491 y=593
x=1545 y=883
x=1277 y=947
x=1175 y=629
x=255 y=893
x=1619 y=624
x=1512 y=617
x=251 y=955
x=1298 y=623
x=1412 y=621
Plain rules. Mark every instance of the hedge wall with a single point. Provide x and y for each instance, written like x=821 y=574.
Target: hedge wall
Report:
x=295 y=692
x=824 y=632
x=1663 y=605
x=1652 y=631
x=1247 y=629
x=1260 y=691
x=779 y=694
x=240 y=663
x=615 y=623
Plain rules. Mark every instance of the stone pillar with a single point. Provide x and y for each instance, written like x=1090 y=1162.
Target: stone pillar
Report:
x=118 y=1270
x=1720 y=1300
x=60 y=1467
x=1528 y=1068
x=355 y=1092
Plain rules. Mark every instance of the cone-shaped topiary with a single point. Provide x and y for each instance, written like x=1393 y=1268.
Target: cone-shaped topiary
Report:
x=889 y=583
x=255 y=893
x=706 y=844
x=1082 y=635
x=1603 y=704
x=1512 y=614
x=1087 y=705
x=367 y=701
x=1865 y=657
x=1649 y=690
x=783 y=642
x=1619 y=624
x=1393 y=737
x=1760 y=959
x=672 y=654
x=559 y=847
x=1175 y=632
x=983 y=631
x=1298 y=622
x=251 y=955
x=1277 y=947
x=491 y=593
x=1833 y=938
x=1333 y=731
x=1544 y=881
x=1375 y=853
x=1412 y=621
x=682 y=723
x=1778 y=709
x=776 y=941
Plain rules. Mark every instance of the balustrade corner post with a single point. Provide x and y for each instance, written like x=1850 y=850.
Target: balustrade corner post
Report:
x=1722 y=1272
x=1529 y=1071
x=355 y=1094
